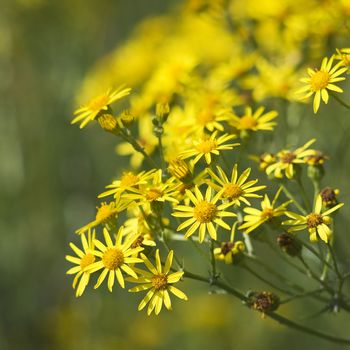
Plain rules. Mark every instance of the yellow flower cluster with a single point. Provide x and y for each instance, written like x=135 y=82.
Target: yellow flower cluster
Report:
x=208 y=81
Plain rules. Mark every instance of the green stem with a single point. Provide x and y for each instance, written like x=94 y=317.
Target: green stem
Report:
x=214 y=274
x=273 y=315
x=302 y=295
x=339 y=100
x=295 y=202
x=303 y=194
x=161 y=153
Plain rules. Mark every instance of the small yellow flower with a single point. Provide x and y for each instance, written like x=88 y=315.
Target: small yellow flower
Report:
x=254 y=121
x=236 y=189
x=288 y=159
x=204 y=214
x=115 y=258
x=316 y=222
x=83 y=260
x=106 y=214
x=256 y=217
x=322 y=80
x=159 y=282
x=156 y=191
x=343 y=55
x=206 y=146
x=128 y=179
x=89 y=112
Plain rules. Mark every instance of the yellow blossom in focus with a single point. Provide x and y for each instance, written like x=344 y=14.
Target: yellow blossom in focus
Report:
x=322 y=80
x=316 y=222
x=204 y=214
x=159 y=282
x=89 y=111
x=115 y=258
x=84 y=258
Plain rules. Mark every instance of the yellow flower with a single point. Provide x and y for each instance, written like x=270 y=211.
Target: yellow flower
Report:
x=316 y=222
x=156 y=191
x=106 y=214
x=236 y=189
x=320 y=81
x=288 y=159
x=206 y=146
x=115 y=258
x=254 y=121
x=343 y=55
x=128 y=179
x=229 y=249
x=89 y=112
x=159 y=282
x=256 y=217
x=83 y=260
x=203 y=214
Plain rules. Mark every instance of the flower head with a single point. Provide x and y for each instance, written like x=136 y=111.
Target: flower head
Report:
x=204 y=213
x=322 y=80
x=159 y=282
x=208 y=145
x=114 y=258
x=90 y=111
x=236 y=189
x=315 y=222
x=83 y=260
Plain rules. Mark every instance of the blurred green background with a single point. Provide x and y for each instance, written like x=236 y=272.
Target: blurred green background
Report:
x=50 y=174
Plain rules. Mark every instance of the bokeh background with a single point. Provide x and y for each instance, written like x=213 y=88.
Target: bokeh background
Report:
x=51 y=172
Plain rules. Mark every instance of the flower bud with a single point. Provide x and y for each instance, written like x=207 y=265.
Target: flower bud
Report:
x=263 y=301
x=289 y=244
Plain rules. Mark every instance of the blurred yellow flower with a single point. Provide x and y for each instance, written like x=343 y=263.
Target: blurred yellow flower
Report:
x=159 y=282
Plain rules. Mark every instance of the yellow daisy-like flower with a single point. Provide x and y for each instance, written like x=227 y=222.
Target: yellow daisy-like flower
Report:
x=316 y=222
x=343 y=55
x=208 y=145
x=254 y=121
x=106 y=214
x=322 y=80
x=128 y=179
x=156 y=191
x=256 y=217
x=288 y=159
x=89 y=112
x=84 y=259
x=204 y=214
x=159 y=282
x=115 y=258
x=236 y=189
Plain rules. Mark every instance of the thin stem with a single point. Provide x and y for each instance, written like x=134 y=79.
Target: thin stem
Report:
x=339 y=100
x=214 y=274
x=295 y=202
x=331 y=251
x=137 y=147
x=273 y=315
x=161 y=152
x=256 y=275
x=302 y=295
x=303 y=194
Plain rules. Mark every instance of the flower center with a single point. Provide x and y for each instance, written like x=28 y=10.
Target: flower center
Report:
x=319 y=80
x=105 y=212
x=205 y=212
x=153 y=194
x=113 y=258
x=232 y=191
x=248 y=122
x=287 y=157
x=86 y=260
x=313 y=220
x=267 y=213
x=206 y=146
x=160 y=282
x=98 y=103
x=128 y=179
